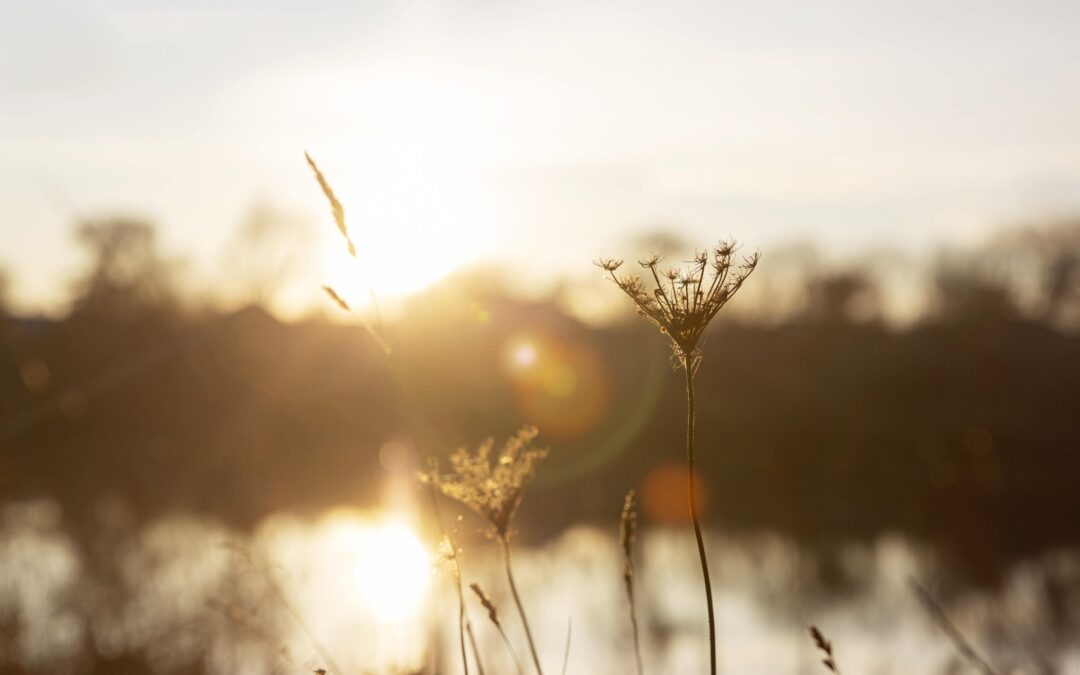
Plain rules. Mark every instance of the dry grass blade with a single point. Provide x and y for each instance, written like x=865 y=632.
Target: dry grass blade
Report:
x=493 y=615
x=963 y=647
x=825 y=646
x=336 y=208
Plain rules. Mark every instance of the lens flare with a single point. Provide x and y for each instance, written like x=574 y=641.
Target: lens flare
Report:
x=564 y=388
x=524 y=355
x=663 y=495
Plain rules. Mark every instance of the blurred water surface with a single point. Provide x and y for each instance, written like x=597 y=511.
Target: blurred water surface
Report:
x=363 y=593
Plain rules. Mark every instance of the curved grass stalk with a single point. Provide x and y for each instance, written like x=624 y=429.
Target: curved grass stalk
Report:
x=493 y=615
x=520 y=607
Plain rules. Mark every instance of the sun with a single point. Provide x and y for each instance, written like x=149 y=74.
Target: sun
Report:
x=417 y=205
x=401 y=252
x=393 y=263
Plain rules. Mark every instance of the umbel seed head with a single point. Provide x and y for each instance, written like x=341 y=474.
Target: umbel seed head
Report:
x=682 y=302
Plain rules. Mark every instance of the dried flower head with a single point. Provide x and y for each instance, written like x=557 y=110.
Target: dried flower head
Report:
x=491 y=486
x=683 y=302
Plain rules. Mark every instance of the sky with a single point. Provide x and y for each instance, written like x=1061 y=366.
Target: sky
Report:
x=544 y=134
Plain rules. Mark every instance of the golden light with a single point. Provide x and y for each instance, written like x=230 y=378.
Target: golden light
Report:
x=393 y=574
x=523 y=354
x=391 y=264
x=663 y=494
x=412 y=186
x=389 y=568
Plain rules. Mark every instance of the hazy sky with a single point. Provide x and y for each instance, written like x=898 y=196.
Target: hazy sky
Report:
x=547 y=132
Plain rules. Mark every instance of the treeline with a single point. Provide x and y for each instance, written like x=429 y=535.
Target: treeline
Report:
x=827 y=424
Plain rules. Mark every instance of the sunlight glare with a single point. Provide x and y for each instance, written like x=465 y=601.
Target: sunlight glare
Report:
x=390 y=570
x=413 y=193
x=393 y=573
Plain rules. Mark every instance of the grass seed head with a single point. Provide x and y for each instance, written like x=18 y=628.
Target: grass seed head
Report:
x=493 y=612
x=825 y=647
x=628 y=534
x=336 y=297
x=336 y=209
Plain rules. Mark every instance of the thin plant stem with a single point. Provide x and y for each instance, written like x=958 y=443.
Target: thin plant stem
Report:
x=461 y=628
x=493 y=616
x=566 y=654
x=963 y=647
x=688 y=368
x=472 y=642
x=464 y=625
x=463 y=621
x=634 y=624
x=520 y=607
x=510 y=648
x=316 y=644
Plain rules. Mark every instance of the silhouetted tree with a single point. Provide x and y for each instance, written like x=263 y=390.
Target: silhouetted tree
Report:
x=127 y=277
x=966 y=292
x=780 y=288
x=845 y=296
x=1055 y=252
x=1061 y=284
x=1037 y=266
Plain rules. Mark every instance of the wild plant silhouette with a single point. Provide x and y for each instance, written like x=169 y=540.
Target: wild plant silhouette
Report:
x=682 y=308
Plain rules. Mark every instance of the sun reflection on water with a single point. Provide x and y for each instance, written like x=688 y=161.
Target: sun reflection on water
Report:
x=360 y=580
x=391 y=570
x=358 y=584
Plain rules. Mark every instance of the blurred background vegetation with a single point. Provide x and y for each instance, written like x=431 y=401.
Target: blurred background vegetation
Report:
x=825 y=417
